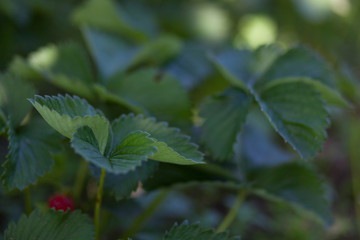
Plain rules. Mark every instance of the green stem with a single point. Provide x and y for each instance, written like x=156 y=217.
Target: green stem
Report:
x=98 y=203
x=146 y=214
x=229 y=218
x=80 y=180
x=28 y=204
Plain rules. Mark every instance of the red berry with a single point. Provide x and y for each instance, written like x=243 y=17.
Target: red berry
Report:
x=61 y=202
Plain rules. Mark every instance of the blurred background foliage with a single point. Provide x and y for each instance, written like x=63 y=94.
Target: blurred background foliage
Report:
x=182 y=33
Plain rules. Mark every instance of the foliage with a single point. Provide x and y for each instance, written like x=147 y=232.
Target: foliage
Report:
x=157 y=107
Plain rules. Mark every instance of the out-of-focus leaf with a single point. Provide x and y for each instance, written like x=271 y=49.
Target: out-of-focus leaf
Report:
x=111 y=53
x=172 y=176
x=191 y=66
x=22 y=68
x=294 y=183
x=66 y=66
x=234 y=65
x=66 y=114
x=13 y=94
x=298 y=62
x=186 y=231
x=129 y=19
x=124 y=156
x=29 y=157
x=259 y=150
x=55 y=225
x=331 y=96
x=298 y=113
x=263 y=58
x=157 y=51
x=224 y=116
x=172 y=146
x=164 y=97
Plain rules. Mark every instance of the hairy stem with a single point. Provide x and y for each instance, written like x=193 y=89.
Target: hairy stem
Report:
x=80 y=180
x=146 y=214
x=28 y=204
x=98 y=203
x=229 y=218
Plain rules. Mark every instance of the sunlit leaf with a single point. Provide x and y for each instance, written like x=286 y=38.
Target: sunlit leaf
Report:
x=66 y=66
x=66 y=114
x=172 y=146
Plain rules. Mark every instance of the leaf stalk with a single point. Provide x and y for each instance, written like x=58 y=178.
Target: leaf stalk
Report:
x=98 y=203
x=229 y=218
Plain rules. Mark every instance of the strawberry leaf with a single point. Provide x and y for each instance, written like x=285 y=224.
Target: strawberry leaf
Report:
x=298 y=113
x=186 y=231
x=51 y=224
x=172 y=146
x=224 y=116
x=29 y=157
x=125 y=155
x=13 y=104
x=66 y=114
x=296 y=184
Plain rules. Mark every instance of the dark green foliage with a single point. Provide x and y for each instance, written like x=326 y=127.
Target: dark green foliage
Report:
x=29 y=156
x=224 y=116
x=51 y=224
x=155 y=84
x=187 y=231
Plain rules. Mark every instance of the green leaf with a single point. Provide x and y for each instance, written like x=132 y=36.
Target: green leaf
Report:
x=66 y=114
x=164 y=97
x=331 y=96
x=294 y=183
x=125 y=155
x=191 y=66
x=224 y=116
x=107 y=15
x=157 y=51
x=175 y=175
x=29 y=157
x=263 y=58
x=172 y=146
x=111 y=53
x=298 y=62
x=66 y=66
x=297 y=111
x=13 y=99
x=23 y=69
x=55 y=225
x=186 y=231
x=234 y=65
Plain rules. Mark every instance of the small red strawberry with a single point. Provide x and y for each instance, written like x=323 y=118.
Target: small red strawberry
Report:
x=61 y=202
